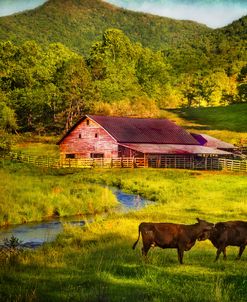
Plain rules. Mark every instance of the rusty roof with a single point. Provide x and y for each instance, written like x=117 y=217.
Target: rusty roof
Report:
x=144 y=130
x=209 y=141
x=174 y=149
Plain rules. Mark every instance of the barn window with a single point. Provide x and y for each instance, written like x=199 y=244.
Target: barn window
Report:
x=70 y=155
x=79 y=135
x=97 y=155
x=88 y=122
x=96 y=135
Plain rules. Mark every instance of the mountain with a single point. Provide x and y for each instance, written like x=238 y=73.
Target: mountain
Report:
x=79 y=23
x=188 y=46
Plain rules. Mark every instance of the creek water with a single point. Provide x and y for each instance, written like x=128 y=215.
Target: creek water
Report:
x=35 y=234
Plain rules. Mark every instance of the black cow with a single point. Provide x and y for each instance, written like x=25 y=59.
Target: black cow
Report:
x=223 y=234
x=171 y=235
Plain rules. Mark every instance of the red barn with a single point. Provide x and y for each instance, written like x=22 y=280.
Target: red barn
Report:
x=111 y=137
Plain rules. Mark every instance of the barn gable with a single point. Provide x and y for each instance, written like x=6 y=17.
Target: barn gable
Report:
x=87 y=138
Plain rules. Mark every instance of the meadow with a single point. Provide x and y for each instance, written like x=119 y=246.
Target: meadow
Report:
x=228 y=123
x=97 y=263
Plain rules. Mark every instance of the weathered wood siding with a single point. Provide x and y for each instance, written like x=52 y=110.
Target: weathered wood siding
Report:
x=87 y=138
x=126 y=152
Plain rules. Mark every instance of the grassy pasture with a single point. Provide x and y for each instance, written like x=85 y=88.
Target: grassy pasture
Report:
x=233 y=118
x=228 y=123
x=97 y=263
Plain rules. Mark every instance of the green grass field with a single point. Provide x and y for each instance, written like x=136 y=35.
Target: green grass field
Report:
x=227 y=123
x=233 y=118
x=97 y=263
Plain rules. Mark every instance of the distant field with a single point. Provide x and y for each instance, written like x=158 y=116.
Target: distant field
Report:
x=233 y=118
x=227 y=123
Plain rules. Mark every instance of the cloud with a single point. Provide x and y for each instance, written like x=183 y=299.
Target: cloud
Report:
x=213 y=15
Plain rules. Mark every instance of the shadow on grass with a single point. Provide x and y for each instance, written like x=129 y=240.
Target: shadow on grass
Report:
x=230 y=118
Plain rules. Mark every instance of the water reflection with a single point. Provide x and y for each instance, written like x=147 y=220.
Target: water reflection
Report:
x=130 y=201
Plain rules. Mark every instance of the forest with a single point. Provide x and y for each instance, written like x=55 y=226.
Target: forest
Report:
x=141 y=65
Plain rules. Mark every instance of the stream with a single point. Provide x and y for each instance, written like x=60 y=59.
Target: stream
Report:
x=33 y=235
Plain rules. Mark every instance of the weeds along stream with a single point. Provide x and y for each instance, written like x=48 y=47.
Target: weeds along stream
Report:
x=34 y=234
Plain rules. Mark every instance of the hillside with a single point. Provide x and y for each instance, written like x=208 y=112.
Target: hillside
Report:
x=188 y=46
x=77 y=24
x=228 y=123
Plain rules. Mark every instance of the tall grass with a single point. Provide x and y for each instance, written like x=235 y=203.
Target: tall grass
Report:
x=30 y=194
x=208 y=194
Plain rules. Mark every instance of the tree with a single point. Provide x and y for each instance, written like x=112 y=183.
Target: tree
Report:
x=75 y=87
x=112 y=64
x=8 y=120
x=242 y=84
x=152 y=72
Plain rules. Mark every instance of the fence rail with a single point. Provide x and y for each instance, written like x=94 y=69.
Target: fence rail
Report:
x=176 y=162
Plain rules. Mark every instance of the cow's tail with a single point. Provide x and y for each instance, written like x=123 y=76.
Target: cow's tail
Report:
x=134 y=245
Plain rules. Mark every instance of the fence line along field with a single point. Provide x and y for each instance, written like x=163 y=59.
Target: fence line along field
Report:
x=177 y=162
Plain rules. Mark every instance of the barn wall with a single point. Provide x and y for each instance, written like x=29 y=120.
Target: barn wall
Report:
x=126 y=152
x=82 y=141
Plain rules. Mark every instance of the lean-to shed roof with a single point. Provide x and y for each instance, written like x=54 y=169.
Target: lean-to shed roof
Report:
x=212 y=142
x=174 y=149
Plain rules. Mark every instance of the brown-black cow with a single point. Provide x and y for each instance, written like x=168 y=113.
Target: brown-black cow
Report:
x=223 y=234
x=170 y=235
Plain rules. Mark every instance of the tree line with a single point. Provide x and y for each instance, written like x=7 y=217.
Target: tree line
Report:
x=46 y=89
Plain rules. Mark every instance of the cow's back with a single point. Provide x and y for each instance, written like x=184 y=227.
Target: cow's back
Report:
x=231 y=233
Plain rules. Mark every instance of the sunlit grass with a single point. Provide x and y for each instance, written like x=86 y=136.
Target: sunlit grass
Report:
x=227 y=123
x=37 y=149
x=29 y=194
x=96 y=262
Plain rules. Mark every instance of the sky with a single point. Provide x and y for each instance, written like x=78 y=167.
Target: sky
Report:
x=213 y=13
x=9 y=7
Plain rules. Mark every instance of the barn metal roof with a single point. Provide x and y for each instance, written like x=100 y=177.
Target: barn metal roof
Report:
x=174 y=149
x=209 y=141
x=144 y=130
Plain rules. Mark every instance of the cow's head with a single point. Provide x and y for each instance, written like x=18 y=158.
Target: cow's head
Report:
x=205 y=228
x=205 y=235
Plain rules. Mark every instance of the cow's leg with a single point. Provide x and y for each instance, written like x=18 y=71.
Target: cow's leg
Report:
x=145 y=249
x=241 y=249
x=219 y=250
x=180 y=255
x=224 y=253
